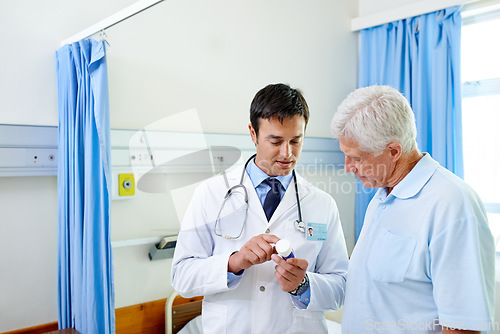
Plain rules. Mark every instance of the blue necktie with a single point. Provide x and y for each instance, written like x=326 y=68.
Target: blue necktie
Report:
x=272 y=198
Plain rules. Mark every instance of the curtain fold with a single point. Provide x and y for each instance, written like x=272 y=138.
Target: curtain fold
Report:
x=85 y=272
x=419 y=56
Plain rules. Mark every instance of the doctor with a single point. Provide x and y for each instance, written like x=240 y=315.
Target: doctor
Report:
x=225 y=249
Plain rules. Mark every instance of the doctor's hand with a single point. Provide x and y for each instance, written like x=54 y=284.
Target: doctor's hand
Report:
x=289 y=273
x=257 y=250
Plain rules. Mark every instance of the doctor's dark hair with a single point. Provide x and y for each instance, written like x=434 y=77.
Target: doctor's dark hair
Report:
x=278 y=100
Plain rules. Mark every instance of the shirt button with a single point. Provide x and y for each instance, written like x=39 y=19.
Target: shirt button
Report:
x=262 y=288
x=383 y=206
x=268 y=230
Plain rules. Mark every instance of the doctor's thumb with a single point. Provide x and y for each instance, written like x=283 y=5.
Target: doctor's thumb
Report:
x=270 y=238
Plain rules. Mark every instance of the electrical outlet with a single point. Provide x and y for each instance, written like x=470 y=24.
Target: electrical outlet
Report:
x=41 y=157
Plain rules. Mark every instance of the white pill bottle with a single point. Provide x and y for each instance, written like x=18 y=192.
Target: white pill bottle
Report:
x=284 y=249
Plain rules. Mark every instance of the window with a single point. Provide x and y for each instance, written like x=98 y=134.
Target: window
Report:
x=481 y=109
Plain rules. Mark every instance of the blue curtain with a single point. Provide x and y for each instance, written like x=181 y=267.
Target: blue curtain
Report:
x=85 y=272
x=420 y=57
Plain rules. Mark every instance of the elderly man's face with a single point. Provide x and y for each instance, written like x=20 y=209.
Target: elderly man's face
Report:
x=374 y=171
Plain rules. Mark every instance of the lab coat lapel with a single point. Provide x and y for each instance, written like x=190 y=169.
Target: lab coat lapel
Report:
x=253 y=200
x=233 y=177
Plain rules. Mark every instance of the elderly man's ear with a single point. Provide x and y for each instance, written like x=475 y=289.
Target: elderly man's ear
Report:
x=396 y=150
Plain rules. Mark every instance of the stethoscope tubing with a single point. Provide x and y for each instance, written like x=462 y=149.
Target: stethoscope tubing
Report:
x=298 y=223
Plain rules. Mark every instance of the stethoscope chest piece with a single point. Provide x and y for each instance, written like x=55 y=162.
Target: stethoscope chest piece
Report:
x=299 y=225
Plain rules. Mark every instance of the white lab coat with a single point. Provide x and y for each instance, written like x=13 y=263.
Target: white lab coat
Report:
x=254 y=302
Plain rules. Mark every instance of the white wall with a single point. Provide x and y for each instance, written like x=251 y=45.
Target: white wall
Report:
x=30 y=33
x=28 y=248
x=366 y=7
x=215 y=55
x=209 y=55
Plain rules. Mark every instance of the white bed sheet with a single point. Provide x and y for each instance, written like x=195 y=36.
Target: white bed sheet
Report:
x=333 y=327
x=194 y=327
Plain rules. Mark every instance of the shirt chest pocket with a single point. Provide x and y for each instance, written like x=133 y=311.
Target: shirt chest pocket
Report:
x=390 y=257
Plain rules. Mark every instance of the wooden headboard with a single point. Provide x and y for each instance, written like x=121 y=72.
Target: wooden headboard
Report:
x=179 y=311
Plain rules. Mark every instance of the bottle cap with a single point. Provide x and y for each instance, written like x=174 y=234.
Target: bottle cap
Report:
x=283 y=247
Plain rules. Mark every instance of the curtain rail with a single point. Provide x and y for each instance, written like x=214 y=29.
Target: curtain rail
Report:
x=116 y=18
x=401 y=12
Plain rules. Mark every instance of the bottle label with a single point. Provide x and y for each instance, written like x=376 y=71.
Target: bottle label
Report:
x=291 y=255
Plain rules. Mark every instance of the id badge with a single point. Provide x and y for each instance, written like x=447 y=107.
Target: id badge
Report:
x=316 y=232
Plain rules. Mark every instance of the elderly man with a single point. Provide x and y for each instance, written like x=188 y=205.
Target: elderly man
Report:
x=424 y=261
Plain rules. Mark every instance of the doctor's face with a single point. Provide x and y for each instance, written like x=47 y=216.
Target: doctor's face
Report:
x=278 y=144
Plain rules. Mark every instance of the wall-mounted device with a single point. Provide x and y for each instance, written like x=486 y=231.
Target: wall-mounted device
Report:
x=28 y=150
x=126 y=184
x=123 y=185
x=164 y=249
x=31 y=150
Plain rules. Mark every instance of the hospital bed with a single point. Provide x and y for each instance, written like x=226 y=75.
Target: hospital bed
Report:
x=183 y=316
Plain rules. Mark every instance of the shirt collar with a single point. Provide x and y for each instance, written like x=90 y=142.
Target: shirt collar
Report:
x=257 y=175
x=415 y=180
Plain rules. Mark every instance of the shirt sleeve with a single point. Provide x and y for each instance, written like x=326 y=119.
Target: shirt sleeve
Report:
x=463 y=256
x=233 y=279
x=302 y=301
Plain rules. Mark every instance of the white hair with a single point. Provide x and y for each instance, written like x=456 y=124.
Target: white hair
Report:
x=374 y=117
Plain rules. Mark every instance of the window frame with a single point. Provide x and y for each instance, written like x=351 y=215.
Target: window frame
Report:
x=491 y=86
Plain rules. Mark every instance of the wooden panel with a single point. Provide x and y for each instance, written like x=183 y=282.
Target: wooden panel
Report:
x=184 y=312
x=40 y=329
x=181 y=300
x=65 y=331
x=145 y=318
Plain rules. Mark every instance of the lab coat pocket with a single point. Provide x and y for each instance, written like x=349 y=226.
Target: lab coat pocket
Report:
x=214 y=316
x=305 y=322
x=390 y=257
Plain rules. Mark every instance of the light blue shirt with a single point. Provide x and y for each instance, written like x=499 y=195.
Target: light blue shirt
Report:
x=257 y=176
x=425 y=257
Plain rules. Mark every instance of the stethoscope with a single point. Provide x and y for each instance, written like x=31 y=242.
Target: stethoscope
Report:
x=299 y=224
